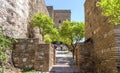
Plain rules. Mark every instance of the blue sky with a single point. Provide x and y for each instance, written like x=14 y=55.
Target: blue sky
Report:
x=76 y=7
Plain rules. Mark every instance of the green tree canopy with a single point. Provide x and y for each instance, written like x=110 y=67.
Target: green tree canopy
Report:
x=47 y=39
x=54 y=36
x=71 y=33
x=111 y=8
x=42 y=21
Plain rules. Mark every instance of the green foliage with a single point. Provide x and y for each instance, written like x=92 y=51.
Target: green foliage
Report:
x=45 y=23
x=0 y=70
x=66 y=32
x=52 y=36
x=111 y=8
x=47 y=39
x=71 y=32
x=55 y=36
x=42 y=21
x=78 y=31
x=5 y=44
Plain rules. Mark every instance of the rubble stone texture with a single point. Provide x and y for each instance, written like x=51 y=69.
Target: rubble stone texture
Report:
x=28 y=54
x=105 y=37
x=15 y=15
x=84 y=57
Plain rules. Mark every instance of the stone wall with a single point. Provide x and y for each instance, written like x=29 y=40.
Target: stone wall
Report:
x=51 y=11
x=28 y=54
x=117 y=42
x=84 y=57
x=36 y=6
x=59 y=15
x=103 y=36
x=15 y=15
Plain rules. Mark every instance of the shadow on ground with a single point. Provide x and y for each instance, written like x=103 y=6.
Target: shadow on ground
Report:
x=58 y=69
x=64 y=60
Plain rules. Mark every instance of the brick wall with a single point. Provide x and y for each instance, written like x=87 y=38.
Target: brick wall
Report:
x=27 y=54
x=103 y=36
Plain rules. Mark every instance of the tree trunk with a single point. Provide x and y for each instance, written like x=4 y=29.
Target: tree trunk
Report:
x=73 y=50
x=73 y=53
x=74 y=47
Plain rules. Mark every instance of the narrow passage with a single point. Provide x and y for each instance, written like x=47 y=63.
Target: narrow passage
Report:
x=64 y=63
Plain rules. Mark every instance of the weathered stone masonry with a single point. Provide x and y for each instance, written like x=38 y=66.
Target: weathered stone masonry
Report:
x=15 y=15
x=28 y=54
x=103 y=35
x=84 y=57
x=59 y=16
x=105 y=42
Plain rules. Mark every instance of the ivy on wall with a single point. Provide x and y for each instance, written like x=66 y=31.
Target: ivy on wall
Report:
x=5 y=44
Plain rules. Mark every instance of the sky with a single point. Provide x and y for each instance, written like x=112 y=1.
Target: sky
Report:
x=76 y=7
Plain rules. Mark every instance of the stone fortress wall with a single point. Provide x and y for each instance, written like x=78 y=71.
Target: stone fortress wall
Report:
x=15 y=15
x=28 y=53
x=97 y=27
x=105 y=40
x=59 y=16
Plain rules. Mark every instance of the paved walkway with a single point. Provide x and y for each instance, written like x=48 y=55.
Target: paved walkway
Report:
x=64 y=63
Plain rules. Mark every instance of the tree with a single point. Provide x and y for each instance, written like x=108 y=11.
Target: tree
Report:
x=111 y=8
x=47 y=39
x=42 y=21
x=53 y=36
x=5 y=44
x=71 y=33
